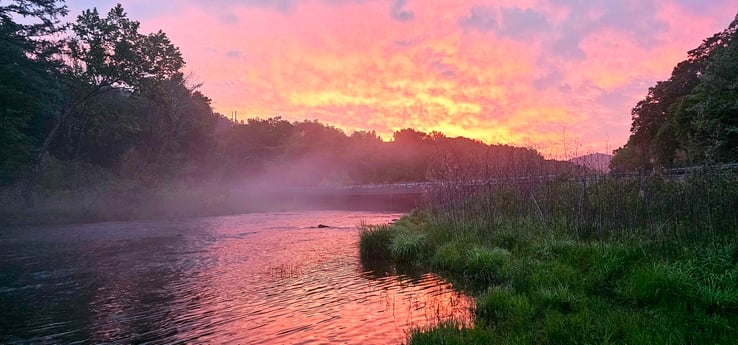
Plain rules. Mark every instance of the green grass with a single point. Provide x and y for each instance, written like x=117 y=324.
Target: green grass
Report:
x=450 y=334
x=487 y=265
x=450 y=256
x=408 y=245
x=502 y=306
x=631 y=261
x=659 y=284
x=374 y=241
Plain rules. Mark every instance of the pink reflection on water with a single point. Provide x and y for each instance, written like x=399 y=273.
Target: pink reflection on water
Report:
x=306 y=285
x=247 y=279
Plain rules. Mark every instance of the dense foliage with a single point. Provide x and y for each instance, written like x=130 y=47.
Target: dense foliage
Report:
x=692 y=118
x=28 y=88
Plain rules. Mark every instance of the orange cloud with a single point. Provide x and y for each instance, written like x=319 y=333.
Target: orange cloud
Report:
x=519 y=72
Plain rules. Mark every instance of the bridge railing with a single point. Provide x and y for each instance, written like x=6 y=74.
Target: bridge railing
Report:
x=426 y=186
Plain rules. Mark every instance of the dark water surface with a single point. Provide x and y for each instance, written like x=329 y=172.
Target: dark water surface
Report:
x=247 y=279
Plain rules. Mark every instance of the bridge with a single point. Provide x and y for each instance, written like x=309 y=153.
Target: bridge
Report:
x=407 y=195
x=424 y=187
x=381 y=197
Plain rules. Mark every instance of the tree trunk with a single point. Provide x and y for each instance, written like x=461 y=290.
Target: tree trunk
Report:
x=41 y=160
x=43 y=152
x=75 y=184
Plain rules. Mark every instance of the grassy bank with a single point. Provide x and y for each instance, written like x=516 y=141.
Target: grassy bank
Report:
x=630 y=261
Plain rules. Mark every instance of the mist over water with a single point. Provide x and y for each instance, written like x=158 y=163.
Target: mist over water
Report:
x=263 y=278
x=312 y=182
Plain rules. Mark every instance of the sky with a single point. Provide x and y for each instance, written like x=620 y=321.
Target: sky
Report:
x=560 y=76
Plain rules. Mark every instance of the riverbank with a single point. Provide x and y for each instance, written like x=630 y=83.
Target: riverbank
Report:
x=125 y=200
x=119 y=201
x=635 y=261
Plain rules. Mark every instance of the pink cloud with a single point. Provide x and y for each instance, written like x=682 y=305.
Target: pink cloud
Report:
x=518 y=72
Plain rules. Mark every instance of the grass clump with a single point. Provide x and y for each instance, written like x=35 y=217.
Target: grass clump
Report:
x=450 y=256
x=659 y=283
x=487 y=265
x=407 y=246
x=559 y=297
x=634 y=261
x=374 y=241
x=719 y=292
x=449 y=333
x=502 y=306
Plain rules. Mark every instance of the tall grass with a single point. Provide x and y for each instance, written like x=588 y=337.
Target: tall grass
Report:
x=374 y=241
x=597 y=207
x=637 y=260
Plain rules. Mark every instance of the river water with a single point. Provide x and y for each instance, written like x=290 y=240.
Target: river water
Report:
x=267 y=278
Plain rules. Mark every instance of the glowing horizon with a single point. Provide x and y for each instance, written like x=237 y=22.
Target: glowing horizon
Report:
x=556 y=75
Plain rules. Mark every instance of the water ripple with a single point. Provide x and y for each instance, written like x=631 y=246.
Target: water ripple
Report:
x=257 y=279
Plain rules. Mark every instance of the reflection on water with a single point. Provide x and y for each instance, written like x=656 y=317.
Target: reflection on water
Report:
x=255 y=279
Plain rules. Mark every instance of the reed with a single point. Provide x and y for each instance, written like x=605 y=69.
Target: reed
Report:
x=637 y=259
x=655 y=206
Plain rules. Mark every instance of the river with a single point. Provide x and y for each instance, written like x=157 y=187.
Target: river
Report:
x=263 y=278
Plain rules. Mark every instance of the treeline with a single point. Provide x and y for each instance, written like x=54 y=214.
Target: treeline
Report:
x=317 y=153
x=91 y=93
x=96 y=100
x=691 y=118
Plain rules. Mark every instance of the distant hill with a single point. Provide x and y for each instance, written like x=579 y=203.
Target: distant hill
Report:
x=596 y=161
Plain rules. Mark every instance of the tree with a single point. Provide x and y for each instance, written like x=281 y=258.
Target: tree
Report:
x=42 y=20
x=107 y=54
x=362 y=156
x=691 y=117
x=27 y=91
x=708 y=116
x=410 y=154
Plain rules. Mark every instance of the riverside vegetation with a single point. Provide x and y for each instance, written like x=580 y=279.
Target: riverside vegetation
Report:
x=98 y=121
x=643 y=258
x=637 y=260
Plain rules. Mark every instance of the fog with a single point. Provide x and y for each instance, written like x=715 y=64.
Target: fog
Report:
x=312 y=182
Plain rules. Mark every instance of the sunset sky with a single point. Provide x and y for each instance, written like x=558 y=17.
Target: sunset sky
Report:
x=557 y=75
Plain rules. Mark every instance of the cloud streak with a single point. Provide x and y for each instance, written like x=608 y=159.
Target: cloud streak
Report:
x=528 y=72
